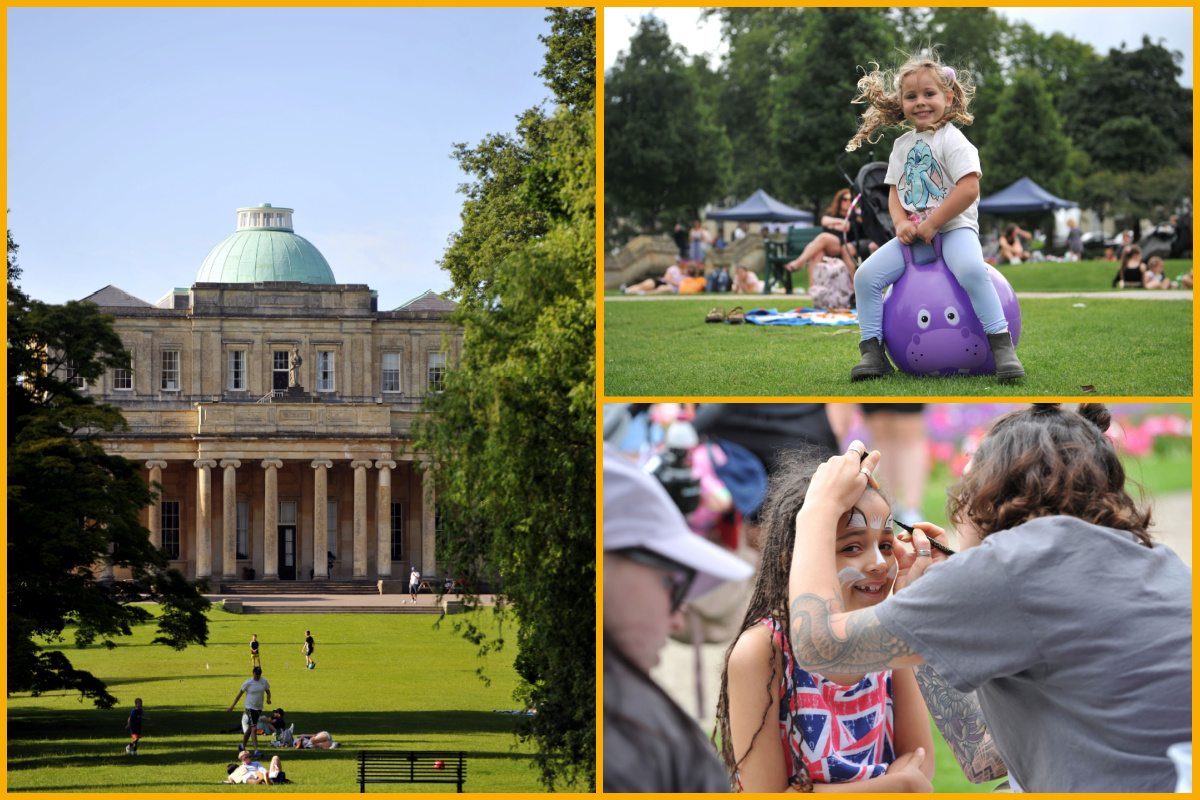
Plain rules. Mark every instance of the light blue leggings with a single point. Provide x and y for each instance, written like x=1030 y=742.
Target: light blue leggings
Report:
x=963 y=255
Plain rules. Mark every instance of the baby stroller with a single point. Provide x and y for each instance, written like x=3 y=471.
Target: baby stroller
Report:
x=871 y=195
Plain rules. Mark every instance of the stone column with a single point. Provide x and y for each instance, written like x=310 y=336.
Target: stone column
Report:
x=105 y=575
x=383 y=520
x=360 y=517
x=271 y=525
x=204 y=516
x=320 y=514
x=428 y=531
x=229 y=518
x=156 y=466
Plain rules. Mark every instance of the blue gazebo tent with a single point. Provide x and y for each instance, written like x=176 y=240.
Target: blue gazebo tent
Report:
x=1023 y=197
x=761 y=207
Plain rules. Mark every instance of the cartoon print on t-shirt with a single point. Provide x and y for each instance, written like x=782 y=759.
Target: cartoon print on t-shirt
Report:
x=923 y=179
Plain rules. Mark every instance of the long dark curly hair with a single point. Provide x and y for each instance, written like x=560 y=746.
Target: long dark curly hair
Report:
x=1046 y=461
x=785 y=497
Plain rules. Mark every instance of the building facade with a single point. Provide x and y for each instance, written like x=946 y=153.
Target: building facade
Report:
x=274 y=406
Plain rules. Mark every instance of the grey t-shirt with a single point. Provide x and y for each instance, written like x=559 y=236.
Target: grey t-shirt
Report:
x=649 y=744
x=1078 y=643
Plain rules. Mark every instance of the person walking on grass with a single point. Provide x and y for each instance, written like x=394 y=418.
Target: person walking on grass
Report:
x=254 y=660
x=134 y=726
x=307 y=649
x=255 y=688
x=414 y=581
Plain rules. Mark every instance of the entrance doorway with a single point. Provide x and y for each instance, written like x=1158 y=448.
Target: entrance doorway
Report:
x=287 y=552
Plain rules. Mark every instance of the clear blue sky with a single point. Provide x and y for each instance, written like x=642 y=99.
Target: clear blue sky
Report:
x=133 y=134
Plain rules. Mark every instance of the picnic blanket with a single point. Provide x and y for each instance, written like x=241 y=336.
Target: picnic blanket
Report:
x=802 y=316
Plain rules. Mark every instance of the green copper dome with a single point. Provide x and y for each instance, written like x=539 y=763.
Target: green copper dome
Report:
x=264 y=248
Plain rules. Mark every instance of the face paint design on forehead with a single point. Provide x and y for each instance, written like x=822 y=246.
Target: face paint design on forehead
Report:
x=857 y=520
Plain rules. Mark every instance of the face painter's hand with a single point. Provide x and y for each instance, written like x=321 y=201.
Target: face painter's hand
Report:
x=841 y=480
x=910 y=566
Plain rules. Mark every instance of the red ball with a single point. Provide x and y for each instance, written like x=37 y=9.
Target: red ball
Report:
x=439 y=765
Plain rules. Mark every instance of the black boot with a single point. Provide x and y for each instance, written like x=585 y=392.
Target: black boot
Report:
x=874 y=362
x=1007 y=363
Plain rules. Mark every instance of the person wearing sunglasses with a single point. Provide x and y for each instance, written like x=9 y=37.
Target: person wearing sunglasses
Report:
x=653 y=564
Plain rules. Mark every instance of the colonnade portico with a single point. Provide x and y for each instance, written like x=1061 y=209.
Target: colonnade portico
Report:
x=372 y=517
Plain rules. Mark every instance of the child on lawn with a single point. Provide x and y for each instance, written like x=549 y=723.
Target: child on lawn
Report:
x=785 y=729
x=934 y=174
x=307 y=649
x=134 y=726
x=254 y=660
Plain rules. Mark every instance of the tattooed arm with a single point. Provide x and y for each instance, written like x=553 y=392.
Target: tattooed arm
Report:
x=961 y=722
x=825 y=638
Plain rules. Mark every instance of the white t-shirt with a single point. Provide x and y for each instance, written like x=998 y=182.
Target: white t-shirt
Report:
x=414 y=578
x=255 y=689
x=925 y=167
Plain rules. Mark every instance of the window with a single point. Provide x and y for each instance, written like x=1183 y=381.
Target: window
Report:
x=237 y=370
x=331 y=520
x=391 y=372
x=437 y=371
x=325 y=371
x=170 y=371
x=439 y=530
x=73 y=377
x=170 y=527
x=122 y=379
x=287 y=512
x=280 y=370
x=397 y=531
x=243 y=529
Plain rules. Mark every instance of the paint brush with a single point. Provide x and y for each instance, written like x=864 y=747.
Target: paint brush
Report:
x=932 y=542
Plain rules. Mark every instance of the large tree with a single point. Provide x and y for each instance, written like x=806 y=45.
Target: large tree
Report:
x=512 y=433
x=663 y=150
x=814 y=116
x=1025 y=139
x=72 y=506
x=1142 y=84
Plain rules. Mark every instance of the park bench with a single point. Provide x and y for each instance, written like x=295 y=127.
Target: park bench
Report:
x=411 y=766
x=780 y=253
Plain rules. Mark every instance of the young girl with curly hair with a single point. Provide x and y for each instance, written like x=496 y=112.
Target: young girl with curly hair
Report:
x=934 y=174
x=1056 y=645
x=782 y=727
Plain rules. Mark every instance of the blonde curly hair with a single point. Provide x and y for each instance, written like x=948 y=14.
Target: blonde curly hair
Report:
x=881 y=91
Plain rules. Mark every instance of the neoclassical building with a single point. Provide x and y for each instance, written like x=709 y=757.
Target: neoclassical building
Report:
x=274 y=405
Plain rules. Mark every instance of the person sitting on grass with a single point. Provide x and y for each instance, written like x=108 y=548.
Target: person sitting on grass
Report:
x=1132 y=273
x=746 y=282
x=1012 y=251
x=1154 y=277
x=320 y=740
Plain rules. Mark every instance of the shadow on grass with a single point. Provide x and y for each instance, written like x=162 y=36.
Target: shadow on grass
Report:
x=74 y=735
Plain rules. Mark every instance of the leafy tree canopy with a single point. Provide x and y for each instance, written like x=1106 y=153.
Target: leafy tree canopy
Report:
x=663 y=148
x=71 y=505
x=1025 y=114
x=512 y=434
x=1142 y=84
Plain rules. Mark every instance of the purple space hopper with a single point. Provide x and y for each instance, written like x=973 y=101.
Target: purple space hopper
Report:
x=929 y=326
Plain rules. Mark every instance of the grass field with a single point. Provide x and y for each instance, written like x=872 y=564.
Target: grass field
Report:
x=1123 y=347
x=382 y=681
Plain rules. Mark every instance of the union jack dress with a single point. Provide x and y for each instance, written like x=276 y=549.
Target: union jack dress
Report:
x=841 y=733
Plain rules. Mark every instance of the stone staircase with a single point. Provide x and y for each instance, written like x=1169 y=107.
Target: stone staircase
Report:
x=266 y=607
x=297 y=587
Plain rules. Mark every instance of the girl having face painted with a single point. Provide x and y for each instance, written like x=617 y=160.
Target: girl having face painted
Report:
x=782 y=727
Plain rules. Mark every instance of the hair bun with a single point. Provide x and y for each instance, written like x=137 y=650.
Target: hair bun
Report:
x=1097 y=414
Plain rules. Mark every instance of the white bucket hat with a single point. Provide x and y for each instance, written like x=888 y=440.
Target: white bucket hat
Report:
x=638 y=512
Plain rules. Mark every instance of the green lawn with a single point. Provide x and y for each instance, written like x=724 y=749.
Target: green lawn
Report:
x=382 y=681
x=1123 y=347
